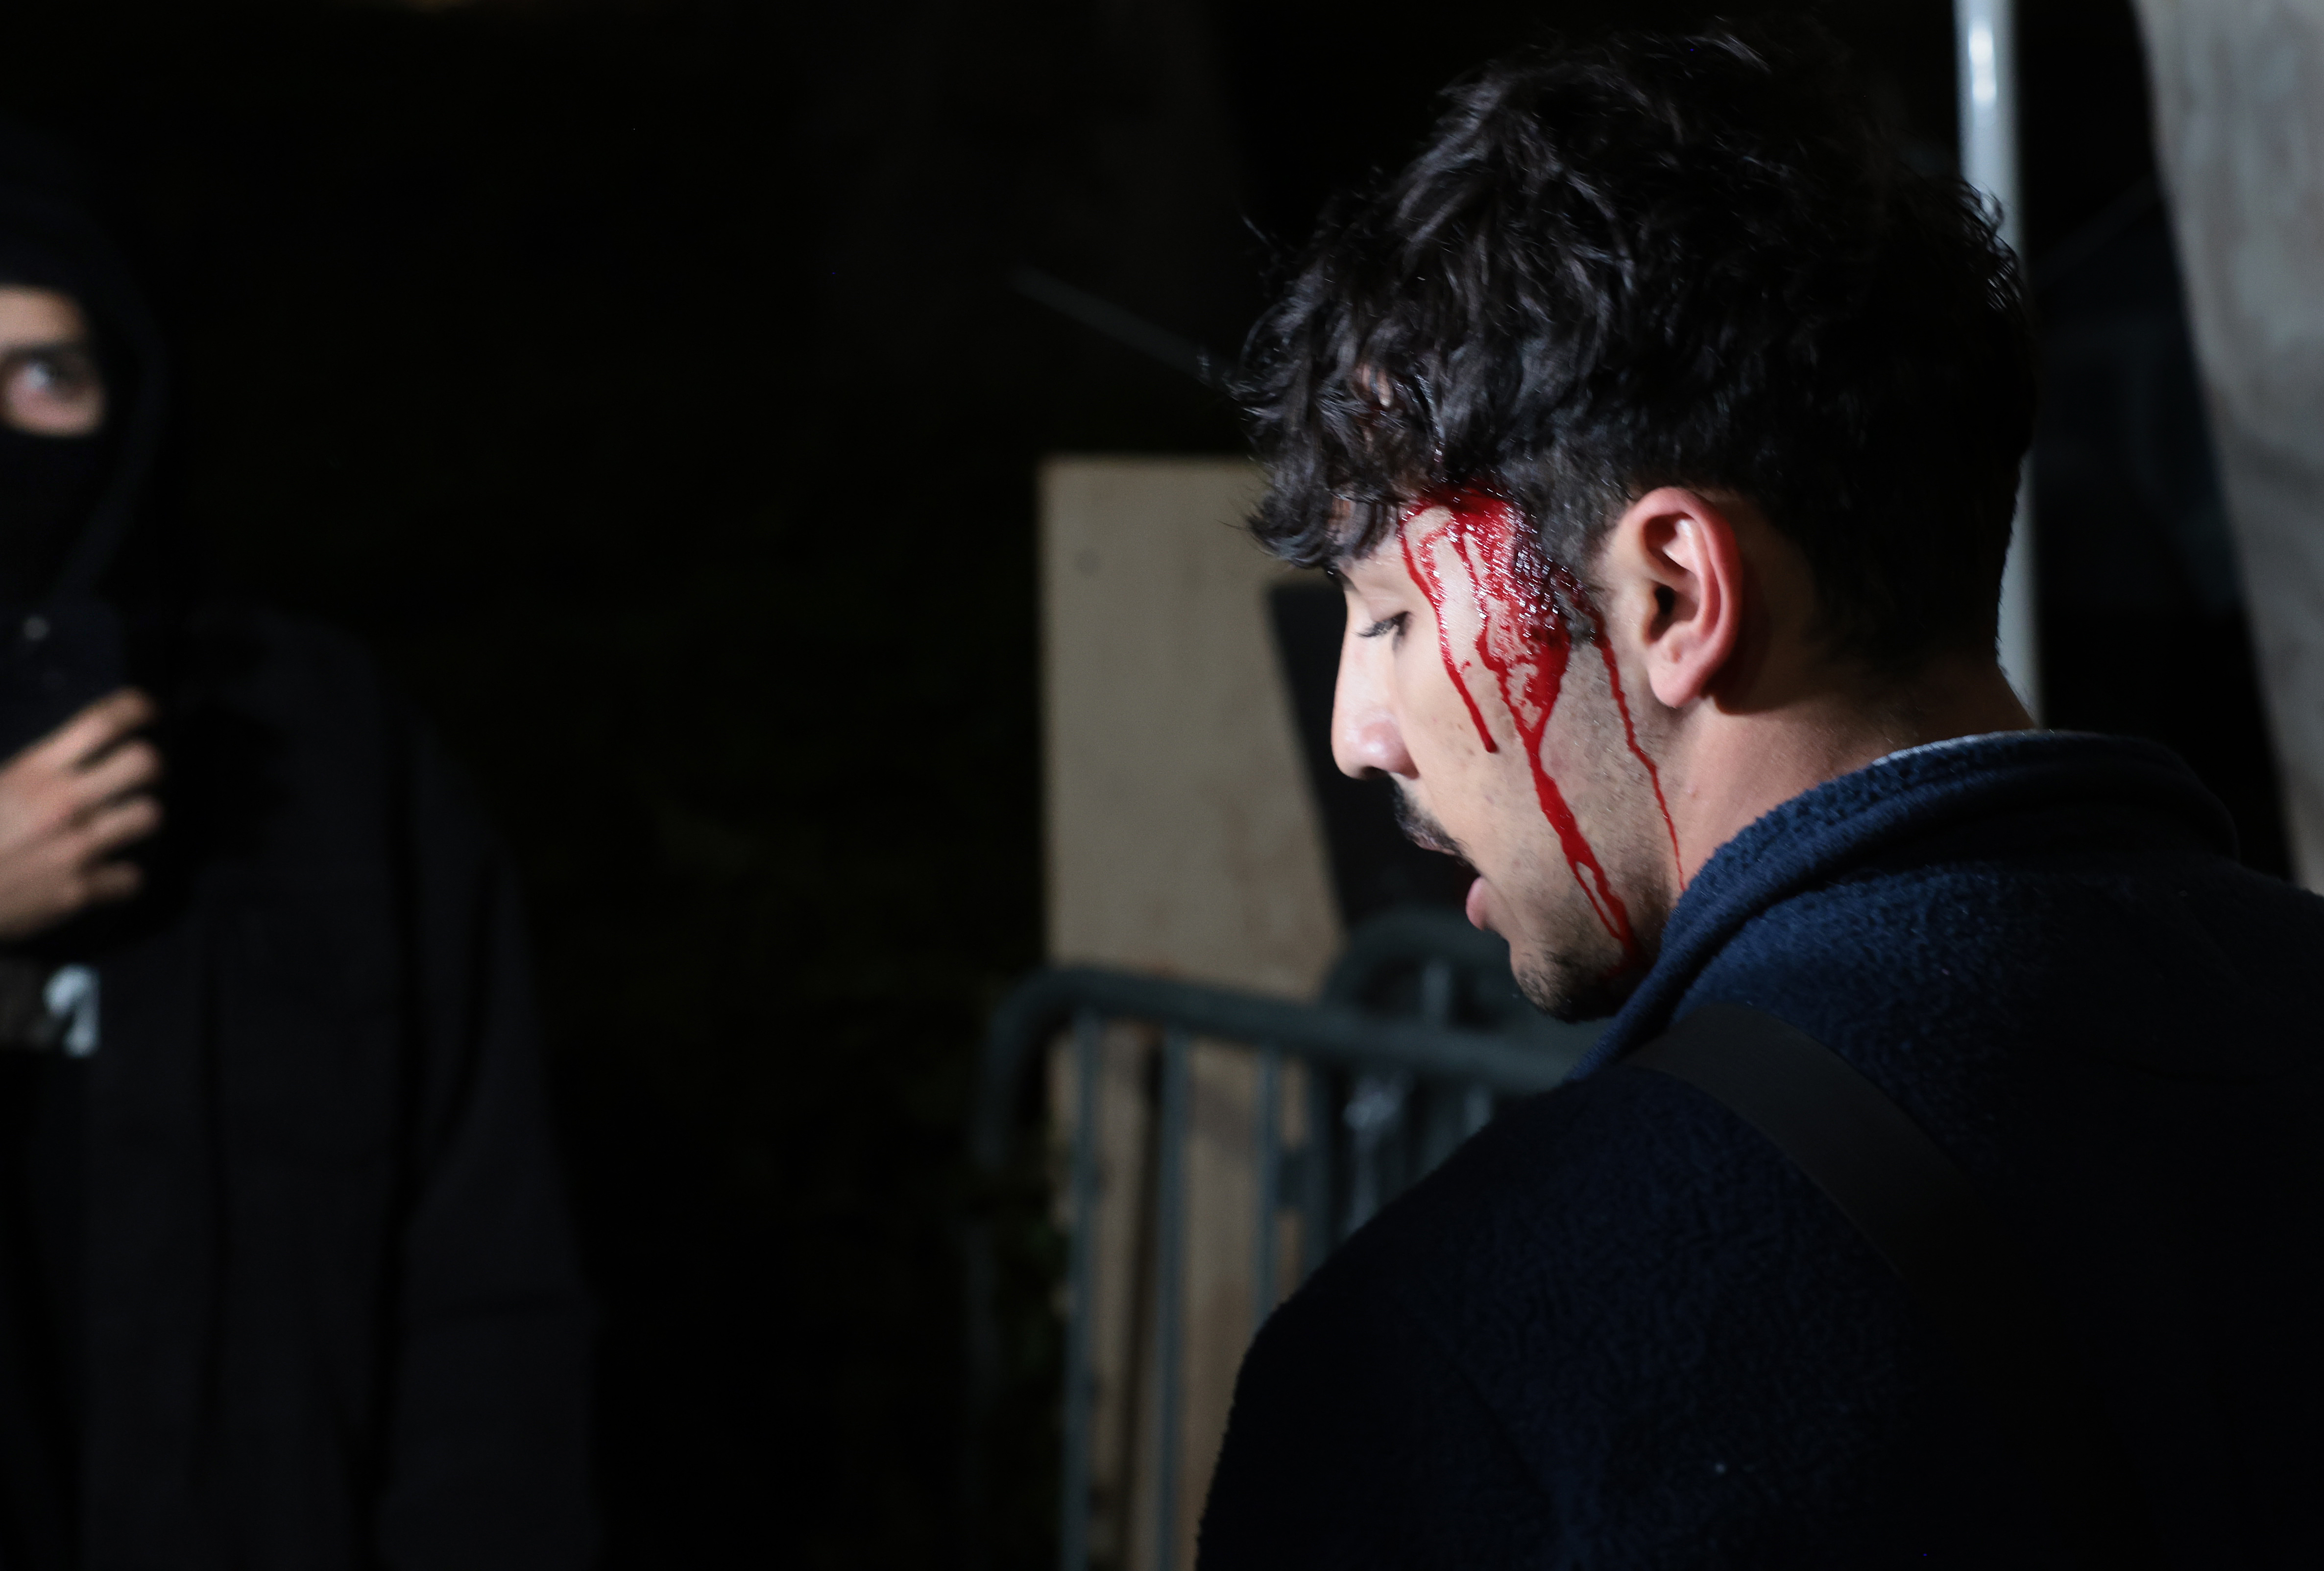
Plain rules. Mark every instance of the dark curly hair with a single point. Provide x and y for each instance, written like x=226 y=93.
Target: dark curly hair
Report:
x=1655 y=260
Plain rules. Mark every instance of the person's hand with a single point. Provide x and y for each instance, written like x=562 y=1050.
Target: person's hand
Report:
x=68 y=803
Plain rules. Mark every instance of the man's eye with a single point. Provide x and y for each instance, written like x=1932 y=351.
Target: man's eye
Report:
x=52 y=389
x=1384 y=624
x=62 y=374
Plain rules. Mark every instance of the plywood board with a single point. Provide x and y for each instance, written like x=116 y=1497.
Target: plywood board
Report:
x=1181 y=835
x=1182 y=841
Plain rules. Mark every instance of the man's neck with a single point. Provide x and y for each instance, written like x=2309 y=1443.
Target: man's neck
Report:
x=1742 y=762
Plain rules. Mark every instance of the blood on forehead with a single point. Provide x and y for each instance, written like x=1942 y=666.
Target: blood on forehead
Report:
x=1466 y=537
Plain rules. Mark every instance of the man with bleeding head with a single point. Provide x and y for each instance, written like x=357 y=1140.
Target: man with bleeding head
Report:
x=1664 y=429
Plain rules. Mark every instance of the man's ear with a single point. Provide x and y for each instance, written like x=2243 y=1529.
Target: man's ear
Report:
x=1674 y=570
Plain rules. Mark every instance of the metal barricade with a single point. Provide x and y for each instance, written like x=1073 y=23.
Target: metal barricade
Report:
x=1393 y=1081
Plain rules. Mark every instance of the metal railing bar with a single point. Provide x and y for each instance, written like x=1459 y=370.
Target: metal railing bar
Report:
x=1169 y=1292
x=1415 y=935
x=1081 y=1376
x=1325 y=1034
x=1268 y=1172
x=1331 y=1042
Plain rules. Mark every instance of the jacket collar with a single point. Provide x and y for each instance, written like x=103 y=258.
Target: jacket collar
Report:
x=1842 y=823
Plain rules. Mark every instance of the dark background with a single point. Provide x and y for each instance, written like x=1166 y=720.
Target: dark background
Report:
x=643 y=383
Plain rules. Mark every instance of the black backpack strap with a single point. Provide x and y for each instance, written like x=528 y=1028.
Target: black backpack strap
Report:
x=1916 y=1206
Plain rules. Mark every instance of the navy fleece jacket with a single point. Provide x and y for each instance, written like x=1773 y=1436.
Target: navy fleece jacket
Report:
x=1618 y=1330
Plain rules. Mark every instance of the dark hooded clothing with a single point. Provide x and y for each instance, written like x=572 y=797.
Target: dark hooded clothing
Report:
x=1619 y=1329
x=286 y=1277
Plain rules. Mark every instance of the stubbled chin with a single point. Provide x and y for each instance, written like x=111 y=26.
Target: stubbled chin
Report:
x=1475 y=906
x=1573 y=992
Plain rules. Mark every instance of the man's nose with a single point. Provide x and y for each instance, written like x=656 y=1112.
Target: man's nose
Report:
x=1365 y=737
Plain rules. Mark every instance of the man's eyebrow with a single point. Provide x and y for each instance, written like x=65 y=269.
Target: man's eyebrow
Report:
x=44 y=347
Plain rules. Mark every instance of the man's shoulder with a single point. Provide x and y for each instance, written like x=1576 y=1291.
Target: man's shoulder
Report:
x=1577 y=1260
x=293 y=727
x=299 y=699
x=255 y=656
x=1666 y=1330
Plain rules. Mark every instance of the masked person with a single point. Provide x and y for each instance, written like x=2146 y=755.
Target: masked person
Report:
x=1945 y=1190
x=286 y=1279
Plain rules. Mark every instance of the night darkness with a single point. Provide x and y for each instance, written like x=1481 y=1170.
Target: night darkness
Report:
x=643 y=383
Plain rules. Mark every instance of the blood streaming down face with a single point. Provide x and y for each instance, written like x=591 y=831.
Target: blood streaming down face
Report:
x=1523 y=639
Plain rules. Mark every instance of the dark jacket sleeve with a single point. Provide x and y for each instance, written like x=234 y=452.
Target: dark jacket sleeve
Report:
x=1355 y=1443
x=490 y=1374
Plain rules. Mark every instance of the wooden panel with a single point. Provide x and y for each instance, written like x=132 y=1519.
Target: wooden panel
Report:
x=1182 y=840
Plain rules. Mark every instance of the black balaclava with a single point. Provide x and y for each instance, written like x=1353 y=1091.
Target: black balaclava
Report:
x=49 y=485
x=67 y=503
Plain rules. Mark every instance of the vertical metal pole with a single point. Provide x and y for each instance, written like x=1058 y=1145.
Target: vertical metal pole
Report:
x=1073 y=1531
x=1444 y=1124
x=1985 y=34
x=1169 y=1292
x=1376 y=1117
x=1436 y=992
x=1317 y=1232
x=1269 y=1160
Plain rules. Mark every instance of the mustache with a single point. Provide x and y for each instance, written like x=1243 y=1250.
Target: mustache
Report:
x=1422 y=830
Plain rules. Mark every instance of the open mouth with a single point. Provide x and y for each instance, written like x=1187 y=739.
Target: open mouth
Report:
x=1422 y=830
